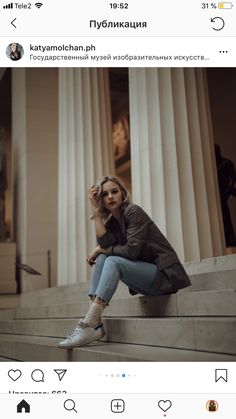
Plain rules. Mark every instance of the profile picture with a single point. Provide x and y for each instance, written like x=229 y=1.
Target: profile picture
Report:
x=212 y=406
x=15 y=51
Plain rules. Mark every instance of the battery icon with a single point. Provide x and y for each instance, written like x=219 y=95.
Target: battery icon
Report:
x=225 y=5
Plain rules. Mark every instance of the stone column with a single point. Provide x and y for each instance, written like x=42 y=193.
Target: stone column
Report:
x=85 y=154
x=35 y=164
x=172 y=158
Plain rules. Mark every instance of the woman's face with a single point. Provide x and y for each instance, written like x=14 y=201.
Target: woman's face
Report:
x=111 y=196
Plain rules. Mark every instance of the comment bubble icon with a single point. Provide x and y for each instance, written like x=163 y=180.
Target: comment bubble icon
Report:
x=38 y=376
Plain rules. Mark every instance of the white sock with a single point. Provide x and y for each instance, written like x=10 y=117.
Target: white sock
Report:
x=94 y=315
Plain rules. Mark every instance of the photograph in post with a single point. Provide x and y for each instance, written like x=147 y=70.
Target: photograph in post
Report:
x=117 y=214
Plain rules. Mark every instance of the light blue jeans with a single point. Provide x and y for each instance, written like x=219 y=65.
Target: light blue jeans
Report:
x=109 y=270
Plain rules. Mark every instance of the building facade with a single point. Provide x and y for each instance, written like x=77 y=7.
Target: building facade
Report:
x=61 y=142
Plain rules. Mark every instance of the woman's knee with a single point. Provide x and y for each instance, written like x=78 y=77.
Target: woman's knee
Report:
x=100 y=259
x=114 y=262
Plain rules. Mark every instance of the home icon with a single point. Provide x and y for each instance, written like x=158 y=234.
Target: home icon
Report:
x=23 y=406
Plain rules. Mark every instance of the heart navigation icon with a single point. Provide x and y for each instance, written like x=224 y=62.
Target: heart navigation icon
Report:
x=164 y=405
x=14 y=374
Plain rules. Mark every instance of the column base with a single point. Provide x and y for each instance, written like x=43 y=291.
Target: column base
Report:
x=7 y=268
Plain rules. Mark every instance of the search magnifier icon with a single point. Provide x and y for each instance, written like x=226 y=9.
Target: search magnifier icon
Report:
x=69 y=404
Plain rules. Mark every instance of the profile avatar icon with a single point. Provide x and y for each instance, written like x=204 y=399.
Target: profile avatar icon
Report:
x=212 y=406
x=15 y=51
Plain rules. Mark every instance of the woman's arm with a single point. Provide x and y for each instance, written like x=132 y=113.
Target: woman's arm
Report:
x=93 y=255
x=97 y=217
x=105 y=238
x=138 y=223
x=99 y=224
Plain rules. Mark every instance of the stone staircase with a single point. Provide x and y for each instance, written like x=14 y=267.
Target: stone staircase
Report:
x=196 y=324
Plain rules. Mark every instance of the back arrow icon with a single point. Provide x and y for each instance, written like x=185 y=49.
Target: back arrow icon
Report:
x=222 y=21
x=12 y=22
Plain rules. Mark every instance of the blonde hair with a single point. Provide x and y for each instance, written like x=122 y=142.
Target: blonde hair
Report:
x=125 y=194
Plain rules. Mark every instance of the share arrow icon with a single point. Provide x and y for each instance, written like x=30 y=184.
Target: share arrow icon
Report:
x=60 y=373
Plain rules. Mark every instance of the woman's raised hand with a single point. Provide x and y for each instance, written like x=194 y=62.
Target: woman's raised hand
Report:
x=93 y=196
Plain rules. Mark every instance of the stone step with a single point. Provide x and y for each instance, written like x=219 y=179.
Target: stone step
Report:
x=198 y=303
x=213 y=264
x=7 y=314
x=222 y=268
x=212 y=281
x=38 y=349
x=203 y=334
x=79 y=292
x=57 y=295
x=188 y=327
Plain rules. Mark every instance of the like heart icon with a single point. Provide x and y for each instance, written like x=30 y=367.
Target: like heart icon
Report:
x=164 y=405
x=14 y=374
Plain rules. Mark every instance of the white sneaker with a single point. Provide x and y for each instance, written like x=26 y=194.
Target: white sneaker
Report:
x=81 y=336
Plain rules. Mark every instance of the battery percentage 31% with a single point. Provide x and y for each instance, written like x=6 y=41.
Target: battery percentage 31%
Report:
x=209 y=5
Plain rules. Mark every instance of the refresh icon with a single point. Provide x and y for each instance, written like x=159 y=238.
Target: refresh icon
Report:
x=220 y=23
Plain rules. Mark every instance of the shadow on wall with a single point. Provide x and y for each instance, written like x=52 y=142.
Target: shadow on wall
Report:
x=226 y=181
x=222 y=96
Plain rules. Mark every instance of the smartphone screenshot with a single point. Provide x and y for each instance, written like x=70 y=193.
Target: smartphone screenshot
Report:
x=118 y=209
